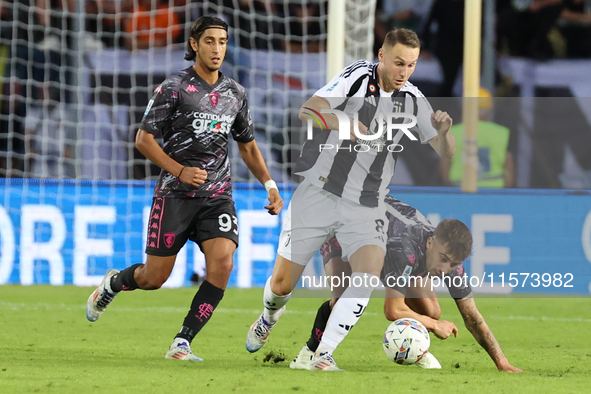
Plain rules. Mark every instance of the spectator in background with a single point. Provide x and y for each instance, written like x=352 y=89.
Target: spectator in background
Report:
x=523 y=27
x=496 y=166
x=49 y=137
x=5 y=86
x=38 y=36
x=575 y=26
x=104 y=20
x=52 y=55
x=304 y=29
x=409 y=14
x=255 y=24
x=447 y=41
x=152 y=24
x=56 y=19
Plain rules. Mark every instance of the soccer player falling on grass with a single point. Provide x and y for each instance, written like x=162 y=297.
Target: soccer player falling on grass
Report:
x=194 y=111
x=416 y=251
x=346 y=181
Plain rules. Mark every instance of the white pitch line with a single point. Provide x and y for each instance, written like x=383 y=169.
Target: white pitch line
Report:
x=542 y=318
x=22 y=306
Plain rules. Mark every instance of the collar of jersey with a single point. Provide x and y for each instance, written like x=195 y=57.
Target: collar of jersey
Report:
x=203 y=83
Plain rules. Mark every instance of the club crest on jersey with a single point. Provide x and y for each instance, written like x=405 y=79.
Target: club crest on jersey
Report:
x=191 y=89
x=169 y=239
x=214 y=97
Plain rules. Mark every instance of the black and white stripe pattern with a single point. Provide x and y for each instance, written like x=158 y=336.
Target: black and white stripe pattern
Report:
x=361 y=171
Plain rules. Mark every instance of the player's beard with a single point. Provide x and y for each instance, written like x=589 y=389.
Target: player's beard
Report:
x=209 y=65
x=386 y=83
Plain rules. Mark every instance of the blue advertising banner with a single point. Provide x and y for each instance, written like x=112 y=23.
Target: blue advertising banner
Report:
x=72 y=232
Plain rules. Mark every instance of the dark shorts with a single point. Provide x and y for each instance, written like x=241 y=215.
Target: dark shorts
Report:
x=173 y=221
x=330 y=249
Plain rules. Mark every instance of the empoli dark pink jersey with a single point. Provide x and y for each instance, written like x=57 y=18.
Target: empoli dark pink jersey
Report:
x=195 y=120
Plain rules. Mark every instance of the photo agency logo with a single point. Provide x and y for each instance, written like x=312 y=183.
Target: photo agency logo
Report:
x=383 y=133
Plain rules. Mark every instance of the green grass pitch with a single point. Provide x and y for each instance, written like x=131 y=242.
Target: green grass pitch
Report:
x=47 y=345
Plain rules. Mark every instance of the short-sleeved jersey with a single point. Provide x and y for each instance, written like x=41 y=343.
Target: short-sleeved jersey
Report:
x=408 y=231
x=361 y=171
x=194 y=119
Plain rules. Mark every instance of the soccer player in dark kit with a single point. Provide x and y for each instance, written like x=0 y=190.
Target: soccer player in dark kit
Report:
x=417 y=252
x=194 y=111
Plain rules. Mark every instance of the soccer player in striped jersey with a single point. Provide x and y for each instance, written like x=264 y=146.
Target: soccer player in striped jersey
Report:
x=416 y=251
x=347 y=166
x=195 y=111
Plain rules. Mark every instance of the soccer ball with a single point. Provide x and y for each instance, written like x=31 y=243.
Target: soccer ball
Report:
x=406 y=341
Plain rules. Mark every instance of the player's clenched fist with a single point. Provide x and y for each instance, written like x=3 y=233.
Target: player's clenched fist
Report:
x=193 y=176
x=441 y=121
x=276 y=202
x=444 y=329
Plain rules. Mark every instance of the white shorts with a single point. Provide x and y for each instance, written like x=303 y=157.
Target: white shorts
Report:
x=315 y=215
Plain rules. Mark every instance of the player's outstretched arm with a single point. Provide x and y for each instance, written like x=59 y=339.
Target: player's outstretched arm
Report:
x=395 y=308
x=316 y=103
x=445 y=142
x=313 y=107
x=477 y=326
x=253 y=158
x=146 y=144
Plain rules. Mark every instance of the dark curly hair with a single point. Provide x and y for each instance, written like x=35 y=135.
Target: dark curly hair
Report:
x=456 y=238
x=200 y=25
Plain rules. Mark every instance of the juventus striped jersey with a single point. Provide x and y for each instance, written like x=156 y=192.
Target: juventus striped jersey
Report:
x=361 y=170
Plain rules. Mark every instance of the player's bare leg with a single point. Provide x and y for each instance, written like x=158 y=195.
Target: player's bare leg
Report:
x=337 y=267
x=154 y=273
x=424 y=301
x=278 y=288
x=366 y=264
x=285 y=277
x=149 y=276
x=334 y=267
x=219 y=254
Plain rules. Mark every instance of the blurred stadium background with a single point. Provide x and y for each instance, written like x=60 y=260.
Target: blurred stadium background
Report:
x=76 y=75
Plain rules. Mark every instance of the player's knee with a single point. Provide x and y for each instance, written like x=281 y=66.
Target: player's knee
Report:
x=222 y=266
x=225 y=267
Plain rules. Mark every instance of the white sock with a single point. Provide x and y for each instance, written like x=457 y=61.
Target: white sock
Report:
x=108 y=286
x=273 y=303
x=180 y=340
x=347 y=311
